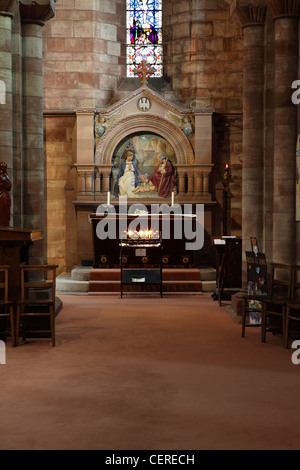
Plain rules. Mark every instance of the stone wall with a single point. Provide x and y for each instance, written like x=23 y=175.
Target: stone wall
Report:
x=60 y=216
x=203 y=54
x=203 y=58
x=83 y=53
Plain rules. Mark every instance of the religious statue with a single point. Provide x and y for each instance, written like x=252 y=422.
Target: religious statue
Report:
x=128 y=177
x=100 y=126
x=163 y=178
x=5 y=201
x=187 y=126
x=185 y=123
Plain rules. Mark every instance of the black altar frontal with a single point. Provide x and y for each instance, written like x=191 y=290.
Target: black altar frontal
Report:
x=177 y=232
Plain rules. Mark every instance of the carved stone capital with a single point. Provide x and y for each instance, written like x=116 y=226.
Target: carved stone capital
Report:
x=105 y=170
x=37 y=11
x=249 y=12
x=84 y=110
x=284 y=9
x=7 y=8
x=85 y=170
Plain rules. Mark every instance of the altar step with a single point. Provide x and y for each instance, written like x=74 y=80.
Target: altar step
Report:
x=86 y=280
x=174 y=280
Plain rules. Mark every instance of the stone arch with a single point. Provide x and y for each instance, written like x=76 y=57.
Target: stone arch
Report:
x=149 y=123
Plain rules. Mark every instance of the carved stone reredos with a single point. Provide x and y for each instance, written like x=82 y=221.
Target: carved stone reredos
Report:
x=162 y=118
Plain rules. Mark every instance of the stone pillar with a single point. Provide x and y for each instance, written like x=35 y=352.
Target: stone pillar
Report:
x=97 y=184
x=86 y=175
x=286 y=18
x=252 y=20
x=6 y=106
x=205 y=175
x=198 y=183
x=33 y=128
x=181 y=181
x=33 y=17
x=106 y=174
x=190 y=183
x=17 y=187
x=267 y=246
x=85 y=136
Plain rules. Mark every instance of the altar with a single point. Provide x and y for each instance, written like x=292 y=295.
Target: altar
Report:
x=176 y=232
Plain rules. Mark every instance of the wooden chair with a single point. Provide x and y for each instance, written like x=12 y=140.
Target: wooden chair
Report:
x=6 y=306
x=292 y=328
x=37 y=300
x=274 y=304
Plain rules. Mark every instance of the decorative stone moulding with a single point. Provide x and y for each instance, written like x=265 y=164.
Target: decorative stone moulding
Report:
x=124 y=127
x=37 y=11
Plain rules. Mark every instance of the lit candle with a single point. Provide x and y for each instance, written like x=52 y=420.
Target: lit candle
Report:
x=108 y=198
x=172 y=203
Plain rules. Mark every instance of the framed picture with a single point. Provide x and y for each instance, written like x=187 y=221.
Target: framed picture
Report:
x=256 y=273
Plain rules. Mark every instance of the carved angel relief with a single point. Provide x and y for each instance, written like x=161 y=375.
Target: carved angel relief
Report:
x=184 y=122
x=103 y=122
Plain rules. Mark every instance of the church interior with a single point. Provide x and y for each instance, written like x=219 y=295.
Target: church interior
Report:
x=149 y=209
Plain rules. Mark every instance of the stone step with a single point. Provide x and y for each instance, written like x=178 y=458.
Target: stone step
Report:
x=81 y=273
x=78 y=280
x=208 y=274
x=168 y=286
x=167 y=274
x=65 y=284
x=208 y=287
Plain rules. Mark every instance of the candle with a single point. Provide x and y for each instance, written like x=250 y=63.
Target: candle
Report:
x=108 y=198
x=172 y=204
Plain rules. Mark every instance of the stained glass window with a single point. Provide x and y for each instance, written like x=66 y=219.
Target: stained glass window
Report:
x=144 y=35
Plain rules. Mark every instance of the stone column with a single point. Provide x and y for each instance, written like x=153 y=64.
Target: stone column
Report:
x=269 y=138
x=97 y=183
x=198 y=182
x=6 y=106
x=106 y=174
x=17 y=188
x=33 y=128
x=181 y=181
x=86 y=175
x=33 y=17
x=190 y=183
x=251 y=17
x=286 y=18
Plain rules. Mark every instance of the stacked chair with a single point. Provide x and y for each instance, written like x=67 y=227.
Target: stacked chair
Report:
x=37 y=300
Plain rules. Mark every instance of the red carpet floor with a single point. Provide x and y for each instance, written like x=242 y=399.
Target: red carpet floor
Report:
x=149 y=373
